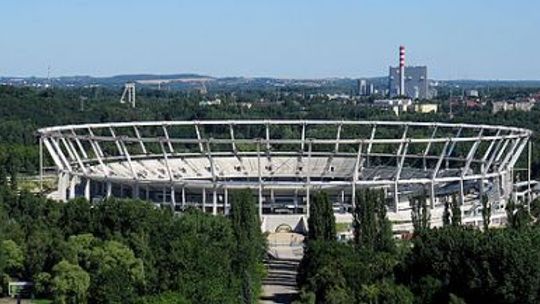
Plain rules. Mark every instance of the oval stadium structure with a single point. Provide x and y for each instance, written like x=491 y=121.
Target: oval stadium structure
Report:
x=181 y=164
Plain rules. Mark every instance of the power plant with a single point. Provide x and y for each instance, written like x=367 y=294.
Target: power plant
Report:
x=408 y=81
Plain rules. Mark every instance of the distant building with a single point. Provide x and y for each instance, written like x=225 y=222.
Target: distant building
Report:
x=214 y=102
x=364 y=88
x=338 y=96
x=472 y=93
x=416 y=82
x=397 y=106
x=426 y=108
x=503 y=106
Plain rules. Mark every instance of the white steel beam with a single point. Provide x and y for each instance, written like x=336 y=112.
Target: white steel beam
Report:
x=168 y=138
x=138 y=135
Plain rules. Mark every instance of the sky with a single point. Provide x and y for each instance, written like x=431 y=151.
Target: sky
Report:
x=456 y=39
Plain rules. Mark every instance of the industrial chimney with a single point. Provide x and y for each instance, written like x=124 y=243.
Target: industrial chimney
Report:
x=402 y=70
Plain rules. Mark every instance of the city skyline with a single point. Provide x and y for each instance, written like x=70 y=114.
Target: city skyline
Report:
x=460 y=40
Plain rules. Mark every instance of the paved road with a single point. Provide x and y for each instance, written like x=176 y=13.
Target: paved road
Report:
x=280 y=283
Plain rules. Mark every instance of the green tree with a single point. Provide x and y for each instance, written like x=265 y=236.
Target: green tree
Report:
x=420 y=215
x=486 y=212
x=446 y=214
x=70 y=283
x=13 y=258
x=116 y=273
x=456 y=211
x=321 y=221
x=372 y=229
x=250 y=244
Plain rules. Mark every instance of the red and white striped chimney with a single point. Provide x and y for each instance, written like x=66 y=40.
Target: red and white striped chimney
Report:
x=402 y=70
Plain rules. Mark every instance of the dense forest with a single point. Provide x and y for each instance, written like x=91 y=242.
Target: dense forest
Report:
x=451 y=264
x=124 y=251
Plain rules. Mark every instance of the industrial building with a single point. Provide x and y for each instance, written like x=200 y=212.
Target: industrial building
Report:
x=416 y=82
x=365 y=88
x=408 y=81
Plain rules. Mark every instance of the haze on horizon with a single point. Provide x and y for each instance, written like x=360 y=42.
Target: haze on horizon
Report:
x=483 y=39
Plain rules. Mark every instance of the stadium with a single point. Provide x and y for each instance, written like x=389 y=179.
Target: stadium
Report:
x=181 y=164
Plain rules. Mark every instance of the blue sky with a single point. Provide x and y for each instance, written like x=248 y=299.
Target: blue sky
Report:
x=457 y=39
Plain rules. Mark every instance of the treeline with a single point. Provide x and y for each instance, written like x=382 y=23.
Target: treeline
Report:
x=124 y=251
x=24 y=110
x=450 y=264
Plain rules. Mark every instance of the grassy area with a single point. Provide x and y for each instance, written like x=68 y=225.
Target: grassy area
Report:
x=342 y=227
x=32 y=185
x=42 y=301
x=24 y=301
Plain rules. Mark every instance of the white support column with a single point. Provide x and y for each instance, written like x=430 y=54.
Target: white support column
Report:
x=342 y=199
x=308 y=169
x=338 y=137
x=225 y=201
x=40 y=164
x=267 y=131
x=168 y=138
x=61 y=155
x=511 y=153
x=502 y=150
x=128 y=158
x=166 y=161
x=98 y=151
x=453 y=145
x=398 y=174
x=116 y=141
x=402 y=144
x=357 y=168
x=199 y=137
x=68 y=149
x=440 y=160
x=432 y=194
x=139 y=138
x=370 y=144
x=214 y=201
x=233 y=143
x=87 y=184
x=436 y=170
x=204 y=200
x=63 y=185
x=517 y=153
x=529 y=156
x=173 y=198
x=303 y=137
x=259 y=173
x=490 y=148
x=79 y=144
x=72 y=184
x=428 y=147
x=75 y=154
x=108 y=189
x=183 y=197
x=461 y=191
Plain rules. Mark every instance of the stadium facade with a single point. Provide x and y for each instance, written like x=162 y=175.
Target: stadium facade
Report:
x=181 y=164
